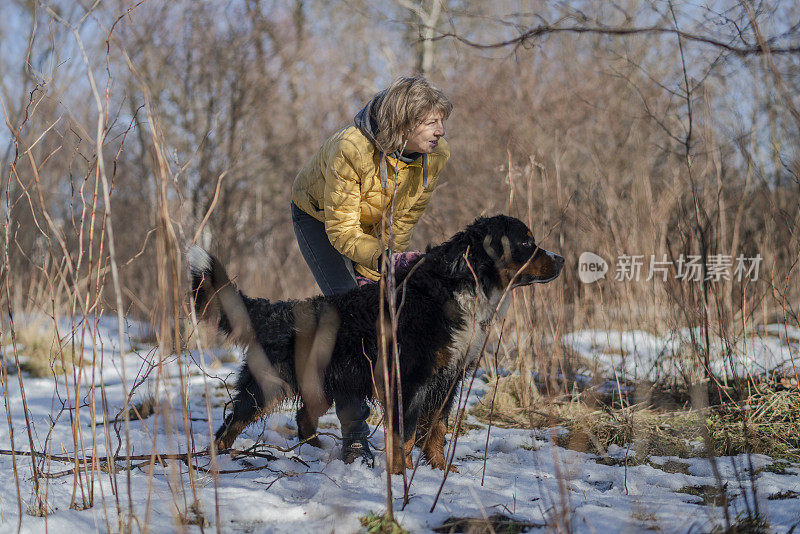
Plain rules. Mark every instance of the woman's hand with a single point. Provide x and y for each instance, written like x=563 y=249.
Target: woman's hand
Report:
x=402 y=259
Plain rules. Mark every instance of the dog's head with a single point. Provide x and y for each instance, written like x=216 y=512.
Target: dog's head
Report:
x=499 y=251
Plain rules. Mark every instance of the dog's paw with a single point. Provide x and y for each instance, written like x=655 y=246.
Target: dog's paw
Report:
x=221 y=445
x=439 y=462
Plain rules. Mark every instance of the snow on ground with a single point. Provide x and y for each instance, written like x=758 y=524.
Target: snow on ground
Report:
x=641 y=355
x=311 y=490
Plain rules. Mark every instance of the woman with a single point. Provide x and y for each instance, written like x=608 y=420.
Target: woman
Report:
x=342 y=196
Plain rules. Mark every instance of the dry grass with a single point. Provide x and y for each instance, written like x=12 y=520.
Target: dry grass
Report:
x=485 y=525
x=381 y=524
x=766 y=424
x=193 y=516
x=42 y=353
x=713 y=495
x=744 y=525
x=591 y=429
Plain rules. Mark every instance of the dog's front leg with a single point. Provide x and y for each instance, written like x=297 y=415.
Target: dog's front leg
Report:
x=402 y=446
x=401 y=454
x=431 y=439
x=307 y=420
x=249 y=403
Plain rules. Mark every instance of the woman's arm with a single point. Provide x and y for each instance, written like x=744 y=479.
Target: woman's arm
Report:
x=404 y=225
x=342 y=204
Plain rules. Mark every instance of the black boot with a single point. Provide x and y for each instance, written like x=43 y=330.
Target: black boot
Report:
x=353 y=413
x=352 y=449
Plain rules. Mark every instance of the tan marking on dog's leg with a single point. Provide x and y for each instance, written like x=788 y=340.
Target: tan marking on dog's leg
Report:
x=401 y=457
x=226 y=440
x=307 y=422
x=408 y=448
x=232 y=432
x=433 y=446
x=423 y=428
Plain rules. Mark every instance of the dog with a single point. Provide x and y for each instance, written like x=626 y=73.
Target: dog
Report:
x=321 y=349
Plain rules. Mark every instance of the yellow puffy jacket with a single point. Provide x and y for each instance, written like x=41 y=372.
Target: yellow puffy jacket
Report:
x=341 y=187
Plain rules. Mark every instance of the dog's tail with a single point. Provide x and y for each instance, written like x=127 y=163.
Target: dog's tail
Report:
x=260 y=384
x=216 y=296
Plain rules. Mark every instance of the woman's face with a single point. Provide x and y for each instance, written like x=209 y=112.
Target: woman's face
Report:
x=425 y=137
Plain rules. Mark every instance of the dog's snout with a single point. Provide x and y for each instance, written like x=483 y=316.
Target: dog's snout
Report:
x=559 y=260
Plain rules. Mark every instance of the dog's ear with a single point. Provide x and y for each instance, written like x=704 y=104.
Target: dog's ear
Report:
x=469 y=254
x=468 y=261
x=499 y=254
x=460 y=266
x=478 y=263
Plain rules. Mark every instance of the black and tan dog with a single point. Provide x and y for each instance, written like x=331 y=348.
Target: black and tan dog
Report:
x=326 y=348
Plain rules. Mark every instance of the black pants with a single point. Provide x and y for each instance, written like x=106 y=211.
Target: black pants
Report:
x=334 y=275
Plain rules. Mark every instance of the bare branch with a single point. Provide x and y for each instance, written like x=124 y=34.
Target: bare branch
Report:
x=532 y=34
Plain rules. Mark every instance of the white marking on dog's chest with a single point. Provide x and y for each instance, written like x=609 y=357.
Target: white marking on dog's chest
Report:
x=469 y=338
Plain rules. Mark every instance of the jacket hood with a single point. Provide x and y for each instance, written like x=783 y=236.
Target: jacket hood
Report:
x=366 y=121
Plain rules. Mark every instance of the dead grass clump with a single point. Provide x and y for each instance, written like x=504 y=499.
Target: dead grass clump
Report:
x=648 y=519
x=43 y=353
x=672 y=466
x=782 y=495
x=744 y=524
x=381 y=524
x=710 y=494
x=193 y=516
x=39 y=507
x=765 y=424
x=779 y=468
x=592 y=429
x=485 y=525
x=145 y=407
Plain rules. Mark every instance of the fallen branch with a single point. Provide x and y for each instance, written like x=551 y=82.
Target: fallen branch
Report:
x=145 y=459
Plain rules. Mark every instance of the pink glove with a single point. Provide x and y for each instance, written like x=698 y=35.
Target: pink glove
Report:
x=402 y=259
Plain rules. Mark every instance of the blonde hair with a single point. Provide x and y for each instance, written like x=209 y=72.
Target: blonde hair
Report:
x=404 y=106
